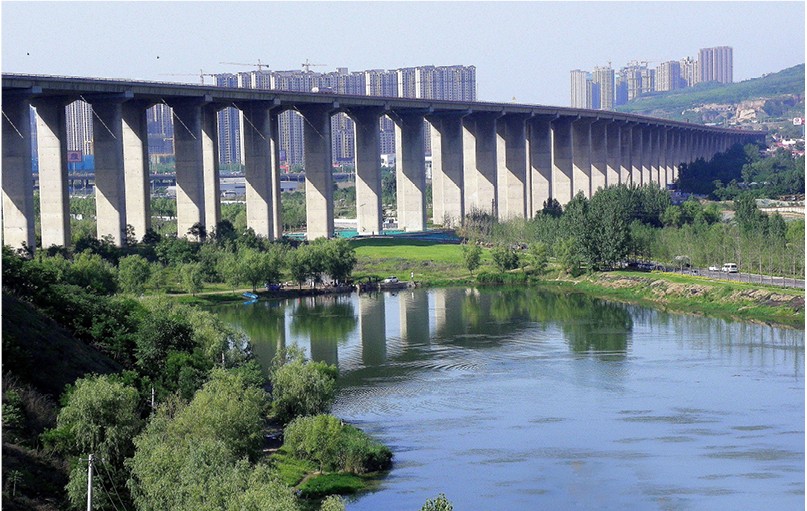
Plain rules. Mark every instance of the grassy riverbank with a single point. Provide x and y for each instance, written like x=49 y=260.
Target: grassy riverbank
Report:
x=437 y=264
x=441 y=264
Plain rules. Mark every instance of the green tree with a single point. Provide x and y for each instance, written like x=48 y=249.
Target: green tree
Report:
x=101 y=416
x=94 y=273
x=538 y=256
x=197 y=456
x=192 y=276
x=332 y=503
x=441 y=503
x=134 y=272
x=472 y=256
x=339 y=258
x=505 y=258
x=302 y=388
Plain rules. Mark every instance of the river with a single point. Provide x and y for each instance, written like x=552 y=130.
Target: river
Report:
x=519 y=399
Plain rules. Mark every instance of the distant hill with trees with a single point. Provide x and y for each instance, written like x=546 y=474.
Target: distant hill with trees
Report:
x=771 y=101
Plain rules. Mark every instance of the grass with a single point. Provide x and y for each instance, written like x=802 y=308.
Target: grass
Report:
x=700 y=295
x=432 y=263
x=304 y=476
x=329 y=484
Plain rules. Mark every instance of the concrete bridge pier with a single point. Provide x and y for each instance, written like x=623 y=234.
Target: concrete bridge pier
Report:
x=18 y=182
x=581 y=157
x=479 y=161
x=647 y=154
x=625 y=152
x=196 y=159
x=367 y=149
x=511 y=163
x=539 y=149
x=260 y=166
x=318 y=169
x=599 y=155
x=562 y=159
x=54 y=202
x=121 y=145
x=410 y=170
x=613 y=153
x=448 y=200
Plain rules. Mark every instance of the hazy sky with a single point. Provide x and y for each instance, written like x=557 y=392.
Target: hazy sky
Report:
x=521 y=49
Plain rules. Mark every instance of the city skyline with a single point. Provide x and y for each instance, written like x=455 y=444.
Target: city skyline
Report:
x=522 y=50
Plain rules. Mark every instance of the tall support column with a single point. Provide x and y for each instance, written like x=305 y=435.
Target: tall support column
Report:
x=410 y=171
x=625 y=153
x=448 y=198
x=562 y=159
x=637 y=154
x=368 y=176
x=274 y=144
x=581 y=157
x=599 y=155
x=110 y=165
x=318 y=170
x=196 y=158
x=479 y=161
x=647 y=154
x=655 y=155
x=540 y=158
x=613 y=152
x=677 y=154
x=136 y=167
x=18 y=181
x=54 y=202
x=511 y=163
x=259 y=167
x=210 y=170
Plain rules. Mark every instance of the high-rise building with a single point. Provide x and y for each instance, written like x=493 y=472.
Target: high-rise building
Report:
x=716 y=64
x=580 y=89
x=689 y=71
x=604 y=78
x=668 y=76
x=435 y=82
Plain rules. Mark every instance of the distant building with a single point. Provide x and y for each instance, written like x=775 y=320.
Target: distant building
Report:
x=434 y=82
x=581 y=92
x=668 y=76
x=716 y=64
x=690 y=74
x=604 y=78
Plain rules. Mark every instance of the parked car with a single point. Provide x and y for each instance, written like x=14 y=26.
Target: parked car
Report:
x=390 y=280
x=714 y=268
x=730 y=268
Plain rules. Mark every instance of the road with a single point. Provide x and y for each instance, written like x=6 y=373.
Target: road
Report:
x=746 y=277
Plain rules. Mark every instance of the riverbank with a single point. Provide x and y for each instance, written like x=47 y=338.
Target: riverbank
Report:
x=695 y=295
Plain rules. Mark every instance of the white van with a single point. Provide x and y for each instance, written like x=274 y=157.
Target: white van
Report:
x=730 y=268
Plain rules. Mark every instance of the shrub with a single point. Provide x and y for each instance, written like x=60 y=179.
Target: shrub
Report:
x=301 y=388
x=335 y=446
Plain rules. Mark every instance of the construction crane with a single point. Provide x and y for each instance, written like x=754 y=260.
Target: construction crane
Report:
x=259 y=65
x=307 y=65
x=201 y=75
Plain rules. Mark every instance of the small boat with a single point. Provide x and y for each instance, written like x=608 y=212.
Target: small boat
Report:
x=251 y=296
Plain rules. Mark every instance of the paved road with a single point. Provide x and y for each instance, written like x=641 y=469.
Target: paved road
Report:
x=748 y=277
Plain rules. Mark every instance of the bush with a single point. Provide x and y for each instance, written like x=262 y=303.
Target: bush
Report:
x=335 y=446
x=301 y=388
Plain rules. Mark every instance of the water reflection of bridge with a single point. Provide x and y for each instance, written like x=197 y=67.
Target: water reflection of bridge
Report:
x=397 y=326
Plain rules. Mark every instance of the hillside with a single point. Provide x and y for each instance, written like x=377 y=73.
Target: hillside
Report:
x=769 y=102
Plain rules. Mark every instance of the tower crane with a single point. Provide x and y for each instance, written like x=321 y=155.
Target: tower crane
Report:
x=307 y=65
x=201 y=75
x=259 y=65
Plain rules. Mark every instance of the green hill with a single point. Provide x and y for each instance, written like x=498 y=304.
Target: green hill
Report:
x=776 y=97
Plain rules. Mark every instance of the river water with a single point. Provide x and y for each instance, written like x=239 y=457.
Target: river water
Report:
x=520 y=399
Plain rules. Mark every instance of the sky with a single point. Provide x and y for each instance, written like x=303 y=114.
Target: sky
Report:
x=523 y=50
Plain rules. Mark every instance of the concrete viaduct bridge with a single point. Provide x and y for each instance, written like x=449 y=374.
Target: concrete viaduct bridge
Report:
x=504 y=158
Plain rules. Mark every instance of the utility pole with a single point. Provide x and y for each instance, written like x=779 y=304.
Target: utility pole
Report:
x=89 y=481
